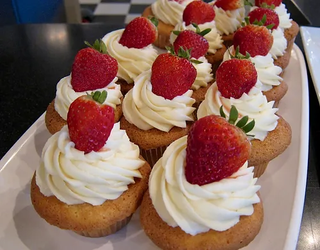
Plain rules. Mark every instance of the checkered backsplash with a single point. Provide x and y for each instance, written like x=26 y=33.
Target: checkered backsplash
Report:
x=113 y=11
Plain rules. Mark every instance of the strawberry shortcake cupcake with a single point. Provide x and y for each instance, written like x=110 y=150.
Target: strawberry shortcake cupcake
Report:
x=284 y=35
x=91 y=178
x=202 y=194
x=159 y=108
x=255 y=42
x=237 y=85
x=132 y=48
x=201 y=14
x=169 y=13
x=92 y=69
x=229 y=16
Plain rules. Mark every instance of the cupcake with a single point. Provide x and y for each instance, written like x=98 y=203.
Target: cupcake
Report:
x=271 y=134
x=255 y=42
x=202 y=194
x=202 y=14
x=91 y=178
x=228 y=18
x=132 y=48
x=169 y=13
x=159 y=108
x=284 y=35
x=92 y=69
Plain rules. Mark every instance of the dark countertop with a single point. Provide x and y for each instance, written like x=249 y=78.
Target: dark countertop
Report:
x=29 y=73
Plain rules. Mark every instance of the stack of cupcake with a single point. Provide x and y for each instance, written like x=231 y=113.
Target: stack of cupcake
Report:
x=202 y=116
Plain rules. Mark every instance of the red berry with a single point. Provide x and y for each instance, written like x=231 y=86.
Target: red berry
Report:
x=229 y=4
x=139 y=33
x=171 y=76
x=256 y=40
x=198 y=12
x=92 y=70
x=276 y=3
x=215 y=150
x=235 y=77
x=190 y=40
x=89 y=123
x=272 y=17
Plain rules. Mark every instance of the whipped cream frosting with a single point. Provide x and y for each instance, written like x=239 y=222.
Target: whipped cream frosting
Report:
x=197 y=209
x=204 y=73
x=147 y=110
x=169 y=12
x=65 y=95
x=213 y=37
x=254 y=105
x=74 y=177
x=131 y=61
x=279 y=43
x=284 y=16
x=228 y=21
x=268 y=73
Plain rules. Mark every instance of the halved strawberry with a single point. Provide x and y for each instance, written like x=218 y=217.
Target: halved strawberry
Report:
x=193 y=41
x=90 y=122
x=93 y=68
x=235 y=77
x=266 y=17
x=139 y=33
x=198 y=12
x=215 y=150
x=229 y=4
x=172 y=75
x=256 y=40
x=260 y=3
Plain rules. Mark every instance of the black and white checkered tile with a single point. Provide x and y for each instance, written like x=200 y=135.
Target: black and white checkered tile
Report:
x=113 y=11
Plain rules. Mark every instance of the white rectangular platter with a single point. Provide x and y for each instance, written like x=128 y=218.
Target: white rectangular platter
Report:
x=282 y=192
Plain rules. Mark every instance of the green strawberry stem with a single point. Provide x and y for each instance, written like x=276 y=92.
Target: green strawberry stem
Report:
x=98 y=45
x=266 y=6
x=199 y=32
x=154 y=20
x=98 y=96
x=248 y=3
x=238 y=55
x=242 y=123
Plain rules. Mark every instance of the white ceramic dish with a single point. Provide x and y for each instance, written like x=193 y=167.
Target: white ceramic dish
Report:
x=311 y=43
x=283 y=188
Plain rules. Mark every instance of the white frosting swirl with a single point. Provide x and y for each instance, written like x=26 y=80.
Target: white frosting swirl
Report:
x=214 y=39
x=197 y=209
x=147 y=110
x=284 y=16
x=131 y=61
x=65 y=95
x=228 y=21
x=254 y=105
x=169 y=12
x=279 y=43
x=268 y=73
x=204 y=73
x=74 y=177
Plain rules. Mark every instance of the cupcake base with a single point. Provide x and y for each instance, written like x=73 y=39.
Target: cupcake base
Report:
x=124 y=86
x=88 y=220
x=164 y=30
x=228 y=40
x=283 y=61
x=54 y=122
x=272 y=146
x=174 y=238
x=276 y=93
x=216 y=58
x=200 y=94
x=260 y=169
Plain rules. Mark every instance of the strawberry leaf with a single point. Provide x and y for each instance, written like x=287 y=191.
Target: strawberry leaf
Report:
x=99 y=97
x=242 y=122
x=247 y=128
x=222 y=114
x=233 y=116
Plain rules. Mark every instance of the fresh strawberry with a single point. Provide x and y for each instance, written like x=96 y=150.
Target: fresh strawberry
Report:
x=256 y=40
x=172 y=75
x=93 y=68
x=90 y=122
x=266 y=17
x=198 y=12
x=260 y=3
x=229 y=4
x=215 y=150
x=193 y=41
x=235 y=77
x=139 y=33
